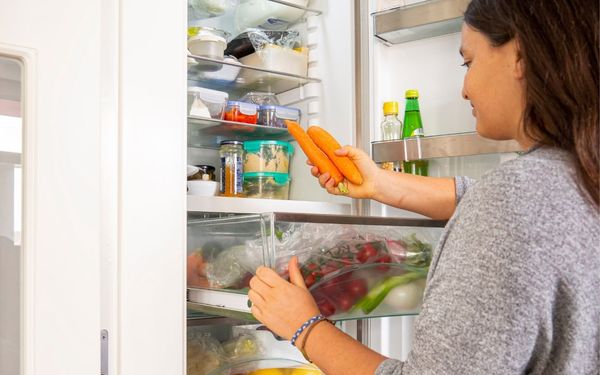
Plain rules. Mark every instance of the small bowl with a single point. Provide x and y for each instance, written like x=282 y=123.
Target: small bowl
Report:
x=202 y=188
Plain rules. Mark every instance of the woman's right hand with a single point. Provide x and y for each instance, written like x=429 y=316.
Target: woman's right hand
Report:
x=368 y=169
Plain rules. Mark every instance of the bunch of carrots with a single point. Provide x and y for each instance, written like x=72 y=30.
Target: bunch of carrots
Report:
x=319 y=146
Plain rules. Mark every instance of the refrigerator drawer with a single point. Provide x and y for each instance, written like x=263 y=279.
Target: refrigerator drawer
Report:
x=354 y=266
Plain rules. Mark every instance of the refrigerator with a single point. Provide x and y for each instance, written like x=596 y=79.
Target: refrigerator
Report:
x=107 y=137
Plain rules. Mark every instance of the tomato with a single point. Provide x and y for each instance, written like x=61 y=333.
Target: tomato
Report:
x=344 y=302
x=327 y=308
x=329 y=268
x=366 y=253
x=312 y=266
x=310 y=280
x=357 y=288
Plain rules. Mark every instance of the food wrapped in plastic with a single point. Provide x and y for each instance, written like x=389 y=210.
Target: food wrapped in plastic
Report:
x=211 y=8
x=267 y=14
x=234 y=267
x=244 y=346
x=281 y=54
x=204 y=353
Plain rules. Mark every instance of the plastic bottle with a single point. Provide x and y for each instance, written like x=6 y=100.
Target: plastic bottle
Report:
x=391 y=129
x=413 y=127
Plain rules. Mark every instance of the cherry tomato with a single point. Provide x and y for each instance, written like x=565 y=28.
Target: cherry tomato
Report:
x=310 y=280
x=357 y=288
x=312 y=266
x=344 y=302
x=366 y=253
x=327 y=308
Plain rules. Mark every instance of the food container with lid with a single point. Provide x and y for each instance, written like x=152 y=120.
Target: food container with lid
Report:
x=276 y=58
x=241 y=112
x=274 y=116
x=207 y=42
x=226 y=73
x=267 y=185
x=267 y=156
x=206 y=102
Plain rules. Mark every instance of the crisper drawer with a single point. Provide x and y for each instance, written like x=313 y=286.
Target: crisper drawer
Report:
x=354 y=266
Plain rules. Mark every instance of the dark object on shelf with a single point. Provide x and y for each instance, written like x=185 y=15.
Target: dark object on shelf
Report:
x=242 y=46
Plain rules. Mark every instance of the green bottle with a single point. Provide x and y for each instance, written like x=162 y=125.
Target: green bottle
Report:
x=413 y=127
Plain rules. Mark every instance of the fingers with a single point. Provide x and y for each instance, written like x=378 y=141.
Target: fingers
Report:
x=324 y=179
x=259 y=286
x=315 y=171
x=257 y=312
x=295 y=274
x=269 y=277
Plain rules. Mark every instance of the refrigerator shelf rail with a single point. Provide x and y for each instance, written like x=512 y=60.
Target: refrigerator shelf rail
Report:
x=197 y=205
x=208 y=132
x=249 y=78
x=442 y=146
x=419 y=21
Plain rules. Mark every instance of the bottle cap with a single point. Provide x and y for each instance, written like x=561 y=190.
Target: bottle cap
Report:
x=413 y=94
x=390 y=108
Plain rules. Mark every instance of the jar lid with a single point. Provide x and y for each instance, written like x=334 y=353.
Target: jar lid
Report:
x=288 y=113
x=249 y=109
x=254 y=146
x=279 y=177
x=231 y=143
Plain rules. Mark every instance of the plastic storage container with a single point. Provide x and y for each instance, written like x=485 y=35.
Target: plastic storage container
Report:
x=267 y=15
x=267 y=185
x=268 y=367
x=274 y=116
x=354 y=266
x=241 y=112
x=207 y=42
x=276 y=58
x=267 y=156
x=206 y=102
x=225 y=73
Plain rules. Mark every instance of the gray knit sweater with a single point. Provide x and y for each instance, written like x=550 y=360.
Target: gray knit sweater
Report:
x=514 y=284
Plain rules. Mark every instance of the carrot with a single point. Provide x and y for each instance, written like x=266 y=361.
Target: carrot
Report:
x=328 y=145
x=315 y=155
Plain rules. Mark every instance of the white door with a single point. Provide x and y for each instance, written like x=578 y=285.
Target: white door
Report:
x=55 y=325
x=104 y=216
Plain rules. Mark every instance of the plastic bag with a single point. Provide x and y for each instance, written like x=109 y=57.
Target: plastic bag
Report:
x=204 y=353
x=243 y=347
x=286 y=39
x=234 y=266
x=211 y=8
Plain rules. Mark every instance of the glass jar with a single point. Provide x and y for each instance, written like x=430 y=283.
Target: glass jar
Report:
x=232 y=168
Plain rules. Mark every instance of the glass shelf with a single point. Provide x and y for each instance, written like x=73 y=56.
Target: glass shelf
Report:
x=208 y=132
x=200 y=15
x=419 y=21
x=248 y=79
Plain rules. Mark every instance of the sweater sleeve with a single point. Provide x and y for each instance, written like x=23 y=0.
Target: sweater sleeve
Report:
x=462 y=184
x=479 y=311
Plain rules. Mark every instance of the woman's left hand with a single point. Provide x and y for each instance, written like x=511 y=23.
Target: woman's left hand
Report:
x=280 y=305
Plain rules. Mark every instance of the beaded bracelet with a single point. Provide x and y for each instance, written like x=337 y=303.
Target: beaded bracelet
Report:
x=306 y=324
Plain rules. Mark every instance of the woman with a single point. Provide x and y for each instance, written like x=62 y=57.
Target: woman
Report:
x=514 y=284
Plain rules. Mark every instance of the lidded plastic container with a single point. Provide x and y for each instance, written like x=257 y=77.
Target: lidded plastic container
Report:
x=274 y=116
x=241 y=112
x=267 y=156
x=204 y=102
x=267 y=185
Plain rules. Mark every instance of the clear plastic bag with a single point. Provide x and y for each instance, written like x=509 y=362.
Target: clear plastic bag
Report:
x=244 y=346
x=204 y=353
x=211 y=8
x=234 y=266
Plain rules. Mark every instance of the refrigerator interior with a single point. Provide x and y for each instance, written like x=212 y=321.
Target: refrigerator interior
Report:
x=430 y=65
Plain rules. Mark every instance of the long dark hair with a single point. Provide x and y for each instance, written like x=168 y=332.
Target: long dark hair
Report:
x=558 y=40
